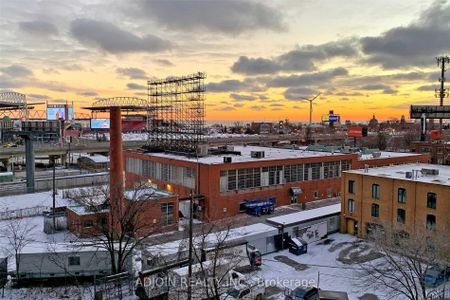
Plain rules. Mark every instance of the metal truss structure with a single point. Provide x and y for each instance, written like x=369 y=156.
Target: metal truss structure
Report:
x=13 y=101
x=178 y=119
x=122 y=102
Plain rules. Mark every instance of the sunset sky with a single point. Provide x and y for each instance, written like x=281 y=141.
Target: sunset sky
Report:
x=261 y=57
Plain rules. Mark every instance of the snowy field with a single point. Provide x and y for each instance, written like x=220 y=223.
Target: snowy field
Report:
x=327 y=265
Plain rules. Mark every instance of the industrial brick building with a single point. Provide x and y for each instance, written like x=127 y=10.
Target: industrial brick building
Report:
x=232 y=176
x=156 y=211
x=409 y=197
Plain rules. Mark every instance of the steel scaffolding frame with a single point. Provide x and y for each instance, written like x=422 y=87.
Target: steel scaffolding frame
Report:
x=179 y=113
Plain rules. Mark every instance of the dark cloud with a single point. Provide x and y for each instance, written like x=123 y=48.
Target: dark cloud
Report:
x=239 y=97
x=306 y=79
x=430 y=87
x=39 y=28
x=229 y=17
x=238 y=105
x=252 y=66
x=301 y=59
x=16 y=71
x=227 y=108
x=135 y=86
x=230 y=85
x=412 y=45
x=88 y=94
x=352 y=94
x=132 y=73
x=111 y=38
x=164 y=62
x=277 y=105
x=299 y=93
x=375 y=87
x=258 y=107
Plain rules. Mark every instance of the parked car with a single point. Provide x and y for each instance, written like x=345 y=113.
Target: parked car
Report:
x=313 y=293
x=244 y=288
x=436 y=275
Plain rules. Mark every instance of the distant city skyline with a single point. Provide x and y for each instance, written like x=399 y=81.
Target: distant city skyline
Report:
x=261 y=57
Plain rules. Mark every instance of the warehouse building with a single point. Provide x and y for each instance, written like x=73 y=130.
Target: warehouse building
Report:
x=231 y=177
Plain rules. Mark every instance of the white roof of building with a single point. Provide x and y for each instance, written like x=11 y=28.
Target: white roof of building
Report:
x=306 y=215
x=269 y=153
x=399 y=172
x=386 y=154
x=97 y=158
x=232 y=234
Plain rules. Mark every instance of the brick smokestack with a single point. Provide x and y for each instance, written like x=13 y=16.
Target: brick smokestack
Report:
x=116 y=175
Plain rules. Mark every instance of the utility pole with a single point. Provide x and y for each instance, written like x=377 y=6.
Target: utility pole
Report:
x=442 y=92
x=308 y=132
x=54 y=196
x=191 y=210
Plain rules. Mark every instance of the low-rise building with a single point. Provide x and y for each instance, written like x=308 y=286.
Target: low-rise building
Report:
x=229 y=178
x=154 y=211
x=409 y=197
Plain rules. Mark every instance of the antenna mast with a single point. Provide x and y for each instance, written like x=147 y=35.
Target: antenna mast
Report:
x=442 y=92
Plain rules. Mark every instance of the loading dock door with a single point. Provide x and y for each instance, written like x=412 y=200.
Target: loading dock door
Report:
x=279 y=244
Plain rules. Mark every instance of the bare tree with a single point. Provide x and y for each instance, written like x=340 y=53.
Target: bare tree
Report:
x=217 y=253
x=405 y=261
x=123 y=227
x=18 y=232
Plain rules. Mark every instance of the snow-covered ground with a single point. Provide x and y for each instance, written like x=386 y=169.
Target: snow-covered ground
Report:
x=320 y=266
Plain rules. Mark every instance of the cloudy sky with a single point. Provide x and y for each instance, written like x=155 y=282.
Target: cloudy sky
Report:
x=261 y=57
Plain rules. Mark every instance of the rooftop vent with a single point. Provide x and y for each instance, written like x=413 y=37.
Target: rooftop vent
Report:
x=227 y=159
x=429 y=172
x=257 y=154
x=409 y=175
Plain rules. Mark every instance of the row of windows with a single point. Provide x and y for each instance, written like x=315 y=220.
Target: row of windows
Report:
x=169 y=173
x=401 y=216
x=267 y=176
x=401 y=194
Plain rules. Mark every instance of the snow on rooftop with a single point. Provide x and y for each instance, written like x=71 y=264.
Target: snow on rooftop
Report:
x=269 y=153
x=399 y=172
x=23 y=201
x=387 y=154
x=232 y=234
x=306 y=215
x=97 y=158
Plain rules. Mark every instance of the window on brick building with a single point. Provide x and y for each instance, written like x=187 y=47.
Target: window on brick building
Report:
x=401 y=216
x=167 y=214
x=375 y=191
x=401 y=195
x=375 y=210
x=351 y=186
x=88 y=223
x=351 y=205
x=431 y=222
x=431 y=200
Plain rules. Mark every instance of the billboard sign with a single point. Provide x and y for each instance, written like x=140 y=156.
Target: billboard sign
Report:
x=100 y=123
x=430 y=111
x=354 y=132
x=333 y=118
x=58 y=112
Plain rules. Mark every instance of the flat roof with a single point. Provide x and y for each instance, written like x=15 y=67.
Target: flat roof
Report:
x=306 y=215
x=211 y=239
x=399 y=172
x=270 y=154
